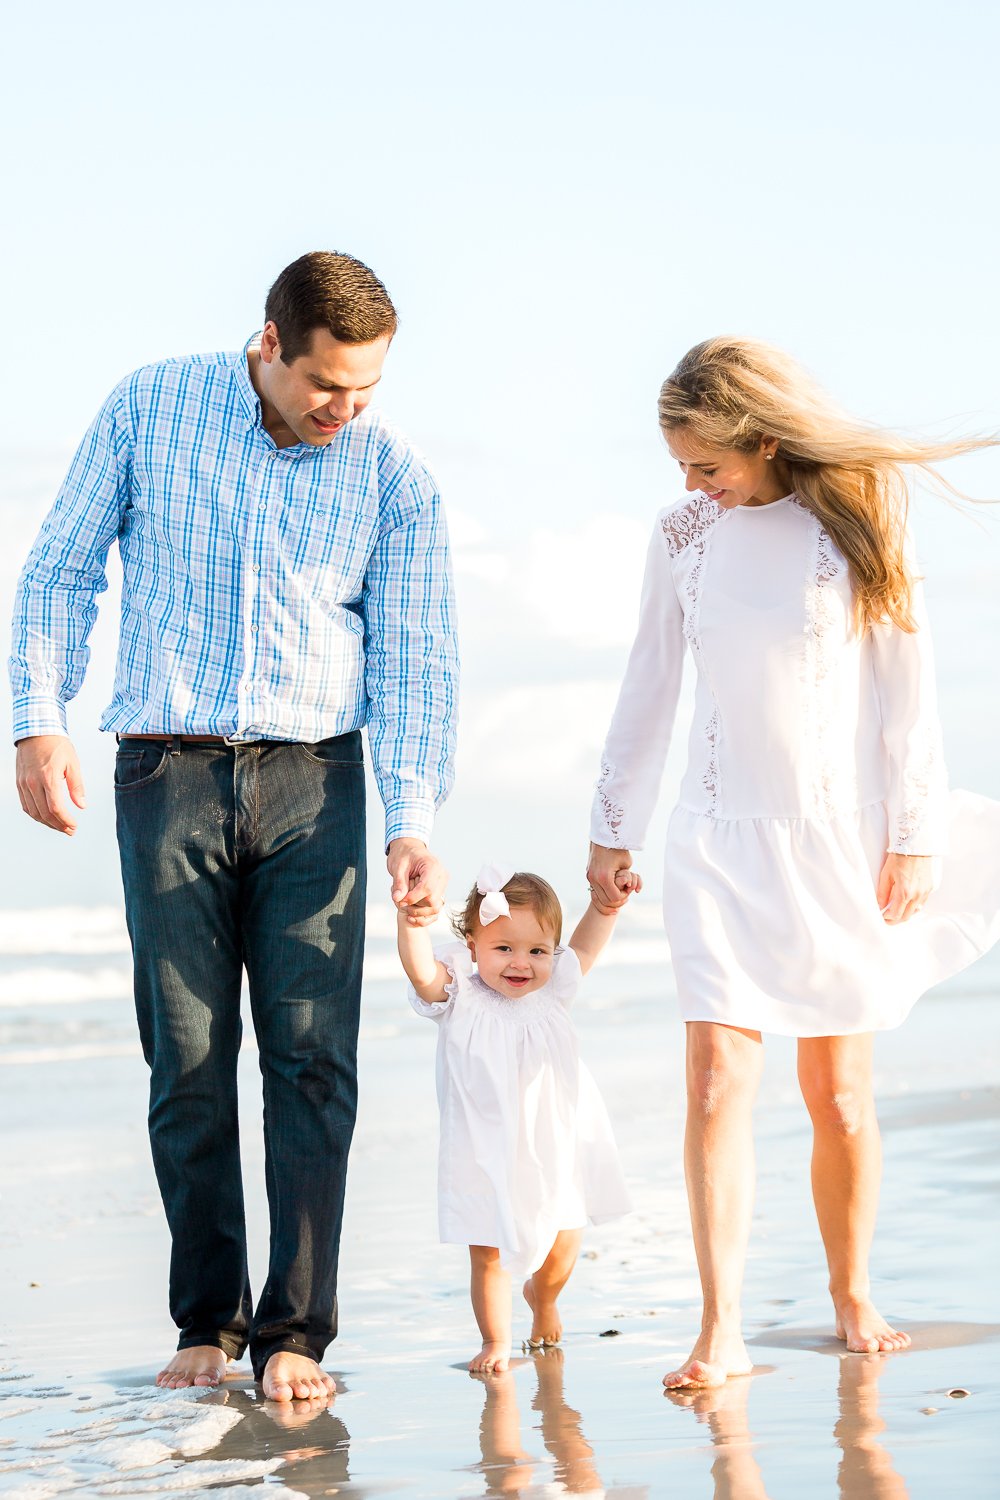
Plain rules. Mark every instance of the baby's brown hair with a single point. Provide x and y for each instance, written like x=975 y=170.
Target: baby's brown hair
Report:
x=522 y=889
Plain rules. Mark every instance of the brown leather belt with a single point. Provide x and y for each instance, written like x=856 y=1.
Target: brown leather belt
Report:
x=185 y=739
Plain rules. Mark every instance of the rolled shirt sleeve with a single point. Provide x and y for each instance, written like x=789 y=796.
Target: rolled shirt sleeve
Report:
x=411 y=655
x=55 y=606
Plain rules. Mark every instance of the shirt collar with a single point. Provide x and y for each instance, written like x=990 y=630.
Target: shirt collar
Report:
x=244 y=385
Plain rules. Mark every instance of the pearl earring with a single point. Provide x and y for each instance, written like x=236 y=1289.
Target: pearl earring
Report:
x=768 y=457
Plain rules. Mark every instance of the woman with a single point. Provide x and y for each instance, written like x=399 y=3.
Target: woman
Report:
x=801 y=889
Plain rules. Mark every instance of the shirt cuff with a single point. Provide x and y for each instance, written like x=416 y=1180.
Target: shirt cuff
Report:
x=409 y=820
x=37 y=715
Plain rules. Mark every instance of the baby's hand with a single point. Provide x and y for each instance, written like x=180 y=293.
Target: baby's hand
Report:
x=629 y=881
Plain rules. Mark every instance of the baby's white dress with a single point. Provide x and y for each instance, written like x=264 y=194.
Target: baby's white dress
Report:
x=526 y=1147
x=812 y=752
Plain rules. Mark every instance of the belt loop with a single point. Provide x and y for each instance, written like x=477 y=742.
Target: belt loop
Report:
x=175 y=744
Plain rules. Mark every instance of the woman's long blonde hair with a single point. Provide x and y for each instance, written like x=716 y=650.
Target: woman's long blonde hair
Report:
x=731 y=393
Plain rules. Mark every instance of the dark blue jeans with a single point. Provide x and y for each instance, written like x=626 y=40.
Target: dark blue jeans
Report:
x=248 y=857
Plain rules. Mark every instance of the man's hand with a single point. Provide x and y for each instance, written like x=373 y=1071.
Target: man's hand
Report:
x=419 y=881
x=608 y=891
x=44 y=762
x=905 y=882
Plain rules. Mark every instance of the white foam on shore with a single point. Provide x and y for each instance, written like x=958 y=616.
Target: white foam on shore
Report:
x=145 y=1447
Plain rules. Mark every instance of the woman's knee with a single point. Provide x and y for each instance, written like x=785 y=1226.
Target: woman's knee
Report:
x=835 y=1085
x=838 y=1097
x=723 y=1066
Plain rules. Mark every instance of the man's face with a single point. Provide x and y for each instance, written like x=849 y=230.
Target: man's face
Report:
x=324 y=389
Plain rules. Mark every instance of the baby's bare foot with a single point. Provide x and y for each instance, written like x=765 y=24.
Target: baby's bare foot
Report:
x=295 y=1377
x=546 y=1324
x=492 y=1359
x=717 y=1355
x=864 y=1330
x=202 y=1364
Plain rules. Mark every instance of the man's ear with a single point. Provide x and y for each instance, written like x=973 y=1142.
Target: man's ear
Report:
x=270 y=344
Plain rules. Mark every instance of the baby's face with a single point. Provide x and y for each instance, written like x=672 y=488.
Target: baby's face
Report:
x=513 y=954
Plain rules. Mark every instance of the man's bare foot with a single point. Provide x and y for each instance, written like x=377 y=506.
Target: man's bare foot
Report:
x=295 y=1377
x=714 y=1359
x=202 y=1364
x=546 y=1324
x=864 y=1330
x=492 y=1359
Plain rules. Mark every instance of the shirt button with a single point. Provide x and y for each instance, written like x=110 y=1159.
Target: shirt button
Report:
x=256 y=567
x=254 y=629
x=262 y=505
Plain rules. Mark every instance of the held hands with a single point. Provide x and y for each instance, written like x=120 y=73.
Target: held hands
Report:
x=44 y=763
x=611 y=879
x=419 y=881
x=904 y=884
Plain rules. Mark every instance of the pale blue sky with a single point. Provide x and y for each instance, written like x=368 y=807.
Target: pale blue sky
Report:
x=561 y=198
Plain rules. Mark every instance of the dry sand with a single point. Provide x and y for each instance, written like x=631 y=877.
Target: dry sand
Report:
x=83 y=1266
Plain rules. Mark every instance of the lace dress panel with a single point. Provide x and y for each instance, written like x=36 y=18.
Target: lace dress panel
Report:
x=690 y=525
x=611 y=812
x=822 y=616
x=918 y=783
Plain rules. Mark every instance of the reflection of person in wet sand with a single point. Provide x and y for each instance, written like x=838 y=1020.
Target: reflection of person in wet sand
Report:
x=508 y=1469
x=801 y=895
x=865 y=1471
x=306 y=1435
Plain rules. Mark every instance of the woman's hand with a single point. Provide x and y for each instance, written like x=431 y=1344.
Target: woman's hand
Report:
x=603 y=869
x=905 y=882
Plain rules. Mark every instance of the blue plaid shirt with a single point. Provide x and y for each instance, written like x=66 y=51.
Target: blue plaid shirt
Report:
x=269 y=593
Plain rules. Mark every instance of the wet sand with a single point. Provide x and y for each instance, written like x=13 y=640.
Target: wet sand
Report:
x=83 y=1255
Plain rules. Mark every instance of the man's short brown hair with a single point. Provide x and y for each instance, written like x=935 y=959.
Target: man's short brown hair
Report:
x=325 y=289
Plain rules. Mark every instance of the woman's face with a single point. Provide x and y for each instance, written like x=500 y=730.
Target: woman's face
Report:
x=724 y=474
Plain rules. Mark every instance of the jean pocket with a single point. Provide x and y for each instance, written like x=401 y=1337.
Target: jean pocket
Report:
x=137 y=765
x=341 y=750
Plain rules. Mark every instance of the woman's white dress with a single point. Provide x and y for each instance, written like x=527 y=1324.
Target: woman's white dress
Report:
x=812 y=753
x=526 y=1147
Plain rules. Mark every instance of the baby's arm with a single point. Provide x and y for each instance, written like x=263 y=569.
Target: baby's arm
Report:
x=598 y=922
x=426 y=973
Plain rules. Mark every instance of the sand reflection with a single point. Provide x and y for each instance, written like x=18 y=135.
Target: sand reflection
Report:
x=865 y=1470
x=309 y=1439
x=507 y=1468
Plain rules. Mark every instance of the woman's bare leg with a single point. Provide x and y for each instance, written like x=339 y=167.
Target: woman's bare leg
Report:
x=541 y=1290
x=723 y=1070
x=491 y=1304
x=835 y=1074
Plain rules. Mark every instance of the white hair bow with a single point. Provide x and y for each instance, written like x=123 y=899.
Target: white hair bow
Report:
x=490 y=883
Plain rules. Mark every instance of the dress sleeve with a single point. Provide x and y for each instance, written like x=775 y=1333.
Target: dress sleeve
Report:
x=917 y=803
x=637 y=742
x=566 y=975
x=458 y=960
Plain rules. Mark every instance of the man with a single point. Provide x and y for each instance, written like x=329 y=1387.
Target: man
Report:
x=286 y=580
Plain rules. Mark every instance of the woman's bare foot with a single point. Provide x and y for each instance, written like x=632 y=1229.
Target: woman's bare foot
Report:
x=546 y=1324
x=202 y=1364
x=492 y=1359
x=716 y=1357
x=295 y=1377
x=864 y=1330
